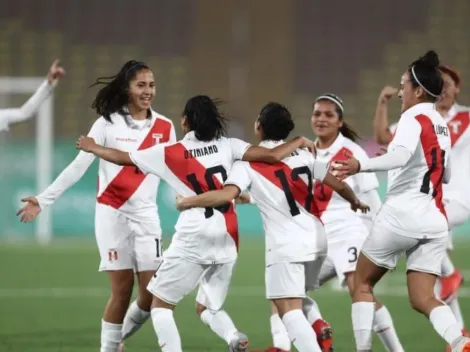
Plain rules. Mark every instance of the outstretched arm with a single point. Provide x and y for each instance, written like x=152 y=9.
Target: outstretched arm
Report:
x=343 y=189
x=115 y=156
x=27 y=110
x=275 y=155
x=209 y=199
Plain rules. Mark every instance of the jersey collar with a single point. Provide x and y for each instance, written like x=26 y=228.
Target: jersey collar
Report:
x=271 y=144
x=419 y=108
x=332 y=149
x=130 y=121
x=190 y=136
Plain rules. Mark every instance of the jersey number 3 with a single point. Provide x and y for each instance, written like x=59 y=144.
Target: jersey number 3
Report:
x=294 y=176
x=210 y=185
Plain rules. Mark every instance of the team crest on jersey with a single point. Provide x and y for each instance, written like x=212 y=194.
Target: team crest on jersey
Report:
x=112 y=255
x=156 y=138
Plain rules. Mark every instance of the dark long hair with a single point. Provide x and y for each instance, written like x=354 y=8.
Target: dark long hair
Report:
x=425 y=73
x=204 y=118
x=114 y=95
x=346 y=130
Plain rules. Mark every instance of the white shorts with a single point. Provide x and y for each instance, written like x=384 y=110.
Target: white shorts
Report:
x=126 y=244
x=342 y=259
x=177 y=277
x=384 y=248
x=292 y=280
x=457 y=214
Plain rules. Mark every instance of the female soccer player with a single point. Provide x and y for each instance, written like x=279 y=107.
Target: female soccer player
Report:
x=127 y=226
x=12 y=116
x=204 y=248
x=412 y=219
x=457 y=192
x=295 y=239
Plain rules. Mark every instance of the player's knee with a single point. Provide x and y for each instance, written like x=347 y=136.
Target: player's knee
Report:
x=361 y=288
x=200 y=308
x=420 y=302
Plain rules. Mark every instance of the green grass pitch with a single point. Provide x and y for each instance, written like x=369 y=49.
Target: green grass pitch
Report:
x=52 y=299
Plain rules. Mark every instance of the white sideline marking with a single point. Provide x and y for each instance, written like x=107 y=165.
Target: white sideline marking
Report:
x=239 y=291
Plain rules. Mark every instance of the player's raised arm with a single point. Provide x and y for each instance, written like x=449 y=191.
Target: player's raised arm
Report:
x=383 y=134
x=115 y=156
x=27 y=110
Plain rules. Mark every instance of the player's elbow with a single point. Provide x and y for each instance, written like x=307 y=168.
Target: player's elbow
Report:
x=273 y=158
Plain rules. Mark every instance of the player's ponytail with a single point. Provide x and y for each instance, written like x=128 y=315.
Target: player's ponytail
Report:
x=346 y=130
x=113 y=96
x=425 y=73
x=204 y=118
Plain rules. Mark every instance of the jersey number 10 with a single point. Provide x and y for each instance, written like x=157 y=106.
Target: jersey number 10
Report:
x=210 y=185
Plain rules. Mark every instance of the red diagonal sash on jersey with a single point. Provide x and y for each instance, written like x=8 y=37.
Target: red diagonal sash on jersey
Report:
x=458 y=125
x=182 y=167
x=298 y=187
x=128 y=180
x=429 y=143
x=323 y=193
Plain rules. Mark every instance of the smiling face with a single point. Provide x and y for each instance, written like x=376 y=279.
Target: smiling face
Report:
x=449 y=92
x=326 y=121
x=408 y=94
x=141 y=90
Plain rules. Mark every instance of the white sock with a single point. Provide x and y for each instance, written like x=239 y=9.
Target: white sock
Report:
x=445 y=324
x=383 y=326
x=220 y=323
x=279 y=332
x=362 y=321
x=110 y=336
x=300 y=332
x=134 y=319
x=165 y=327
x=311 y=310
x=455 y=307
x=447 y=268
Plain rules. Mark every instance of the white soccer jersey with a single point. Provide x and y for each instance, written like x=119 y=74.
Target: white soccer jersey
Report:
x=335 y=212
x=415 y=190
x=15 y=115
x=190 y=167
x=124 y=188
x=284 y=195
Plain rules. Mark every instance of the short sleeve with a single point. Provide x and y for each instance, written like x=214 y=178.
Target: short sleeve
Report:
x=238 y=148
x=407 y=134
x=151 y=160
x=320 y=169
x=239 y=176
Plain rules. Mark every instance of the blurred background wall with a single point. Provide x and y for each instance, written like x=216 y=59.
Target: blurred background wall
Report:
x=244 y=52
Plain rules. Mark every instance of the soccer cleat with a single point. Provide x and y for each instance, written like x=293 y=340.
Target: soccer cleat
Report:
x=239 y=343
x=324 y=335
x=450 y=285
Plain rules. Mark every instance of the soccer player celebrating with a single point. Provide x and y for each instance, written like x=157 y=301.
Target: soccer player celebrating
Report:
x=457 y=192
x=412 y=219
x=346 y=230
x=296 y=244
x=12 y=116
x=127 y=227
x=204 y=248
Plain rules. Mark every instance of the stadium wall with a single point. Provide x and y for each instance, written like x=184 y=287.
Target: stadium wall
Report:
x=73 y=213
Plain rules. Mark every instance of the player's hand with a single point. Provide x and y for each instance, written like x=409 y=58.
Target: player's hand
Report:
x=180 y=203
x=387 y=93
x=30 y=210
x=56 y=72
x=358 y=205
x=310 y=145
x=86 y=144
x=344 y=168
